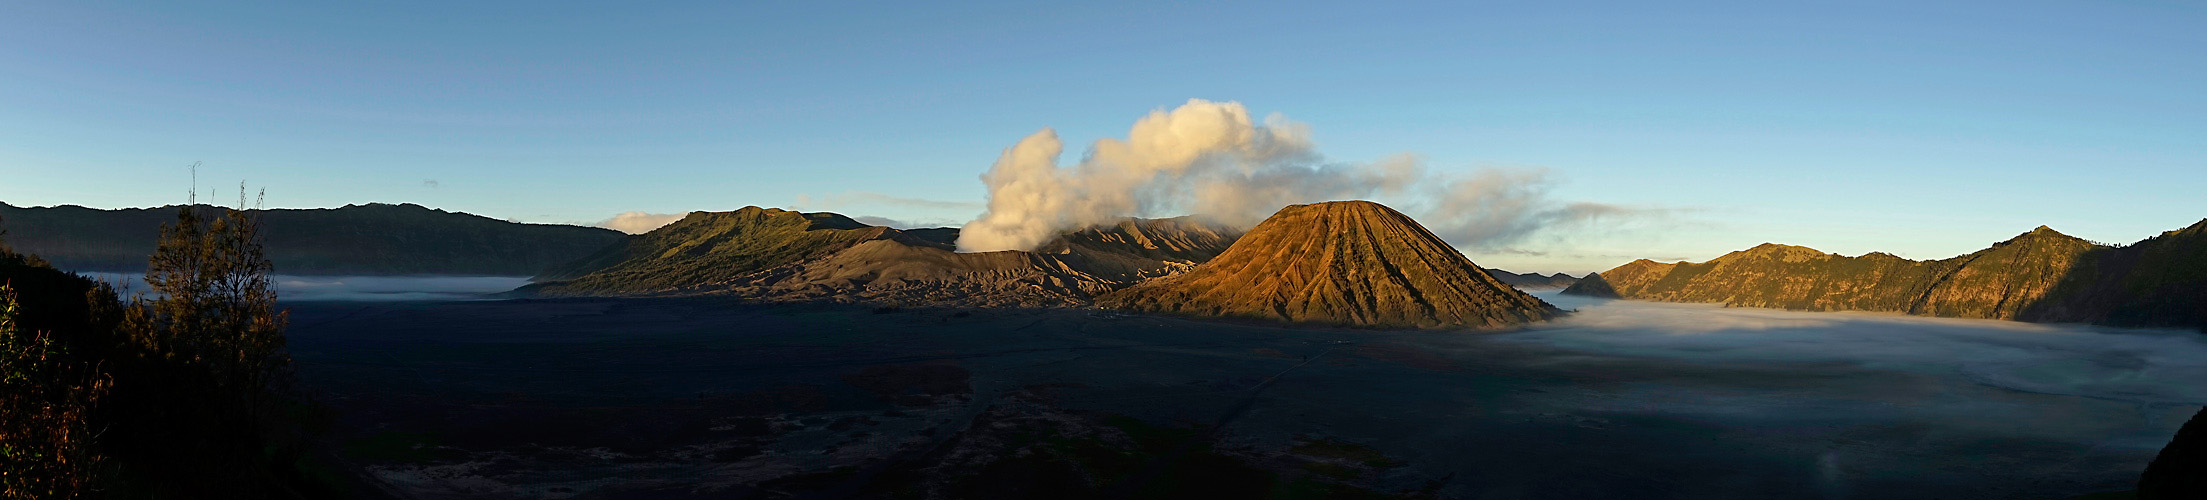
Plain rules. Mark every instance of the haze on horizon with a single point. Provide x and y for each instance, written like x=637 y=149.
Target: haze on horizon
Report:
x=1923 y=131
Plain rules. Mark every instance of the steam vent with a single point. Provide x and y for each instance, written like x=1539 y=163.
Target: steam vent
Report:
x=1354 y=263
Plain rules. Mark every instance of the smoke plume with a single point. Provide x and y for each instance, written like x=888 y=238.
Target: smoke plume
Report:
x=1209 y=158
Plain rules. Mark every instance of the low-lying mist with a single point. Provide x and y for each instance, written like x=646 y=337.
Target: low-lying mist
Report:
x=2132 y=365
x=296 y=288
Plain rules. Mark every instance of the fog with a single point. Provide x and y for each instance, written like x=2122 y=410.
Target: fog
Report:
x=295 y=288
x=2131 y=365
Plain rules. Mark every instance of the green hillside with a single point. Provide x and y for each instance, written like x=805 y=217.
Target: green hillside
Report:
x=708 y=247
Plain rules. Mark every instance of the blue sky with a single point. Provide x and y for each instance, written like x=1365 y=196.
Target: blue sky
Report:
x=1921 y=130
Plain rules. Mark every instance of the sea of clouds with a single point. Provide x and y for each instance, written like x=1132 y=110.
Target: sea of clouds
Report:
x=2134 y=365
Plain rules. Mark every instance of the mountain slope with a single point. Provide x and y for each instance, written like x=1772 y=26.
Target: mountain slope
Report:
x=2161 y=281
x=355 y=239
x=1349 y=263
x=707 y=247
x=777 y=255
x=2041 y=275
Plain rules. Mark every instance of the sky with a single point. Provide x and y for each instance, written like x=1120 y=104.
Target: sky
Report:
x=1926 y=131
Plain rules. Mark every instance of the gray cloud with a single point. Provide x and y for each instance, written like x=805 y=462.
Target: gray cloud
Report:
x=1494 y=208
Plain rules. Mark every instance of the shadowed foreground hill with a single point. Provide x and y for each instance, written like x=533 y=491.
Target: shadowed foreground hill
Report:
x=1346 y=263
x=2180 y=471
x=355 y=239
x=778 y=255
x=2041 y=275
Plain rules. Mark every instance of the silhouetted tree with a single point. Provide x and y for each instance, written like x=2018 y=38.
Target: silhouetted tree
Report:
x=213 y=303
x=206 y=406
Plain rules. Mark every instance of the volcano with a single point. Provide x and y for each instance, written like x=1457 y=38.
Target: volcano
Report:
x=1353 y=263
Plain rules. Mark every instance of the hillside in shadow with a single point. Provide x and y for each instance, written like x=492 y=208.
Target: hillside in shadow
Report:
x=371 y=239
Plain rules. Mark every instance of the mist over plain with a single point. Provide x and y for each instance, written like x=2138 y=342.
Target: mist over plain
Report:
x=299 y=288
x=2136 y=365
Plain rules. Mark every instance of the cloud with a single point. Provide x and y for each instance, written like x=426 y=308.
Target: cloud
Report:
x=902 y=224
x=1493 y=208
x=2145 y=366
x=638 y=222
x=1210 y=159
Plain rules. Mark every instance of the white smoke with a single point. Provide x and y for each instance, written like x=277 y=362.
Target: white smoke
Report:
x=1209 y=158
x=639 y=222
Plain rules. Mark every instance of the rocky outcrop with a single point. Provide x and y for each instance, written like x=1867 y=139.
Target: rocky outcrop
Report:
x=1353 y=263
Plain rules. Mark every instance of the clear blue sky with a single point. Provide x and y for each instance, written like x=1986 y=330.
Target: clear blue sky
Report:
x=1921 y=130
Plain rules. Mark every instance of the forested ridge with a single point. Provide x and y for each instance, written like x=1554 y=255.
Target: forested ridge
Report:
x=373 y=239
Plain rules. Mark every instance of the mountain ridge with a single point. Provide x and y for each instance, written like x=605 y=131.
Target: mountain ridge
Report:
x=372 y=238
x=2040 y=275
x=768 y=257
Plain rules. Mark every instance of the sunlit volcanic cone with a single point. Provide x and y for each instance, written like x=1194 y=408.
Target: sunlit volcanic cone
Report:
x=1353 y=263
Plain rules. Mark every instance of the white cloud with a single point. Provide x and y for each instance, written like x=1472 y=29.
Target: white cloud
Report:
x=1209 y=158
x=638 y=222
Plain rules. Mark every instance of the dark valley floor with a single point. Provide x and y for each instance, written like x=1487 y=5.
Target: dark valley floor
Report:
x=700 y=398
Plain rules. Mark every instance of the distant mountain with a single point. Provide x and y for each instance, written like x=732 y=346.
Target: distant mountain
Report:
x=2041 y=275
x=779 y=255
x=1346 y=263
x=1593 y=285
x=1532 y=281
x=355 y=239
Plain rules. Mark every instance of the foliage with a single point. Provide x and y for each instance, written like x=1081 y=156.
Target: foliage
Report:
x=214 y=305
x=46 y=397
x=183 y=392
x=205 y=404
